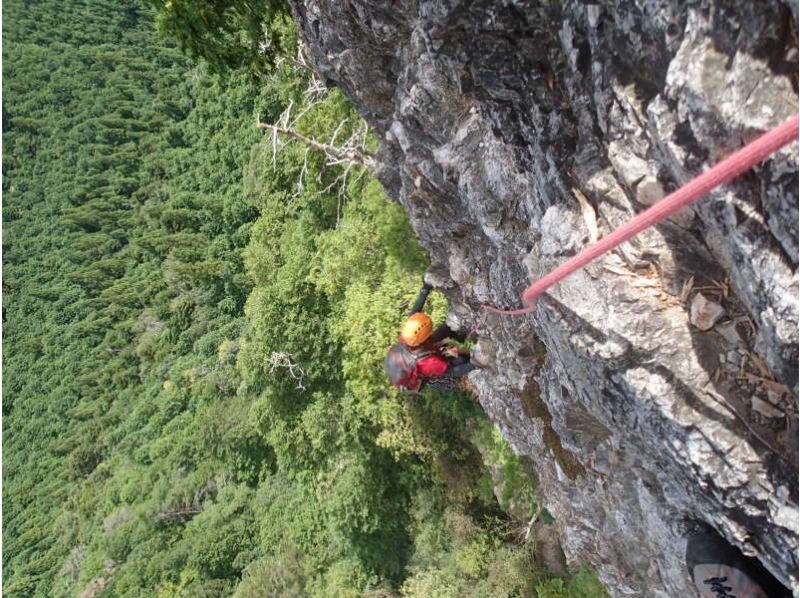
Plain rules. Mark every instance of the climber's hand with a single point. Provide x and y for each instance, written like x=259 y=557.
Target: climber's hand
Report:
x=426 y=278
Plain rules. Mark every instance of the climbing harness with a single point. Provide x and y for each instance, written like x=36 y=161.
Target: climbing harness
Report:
x=725 y=171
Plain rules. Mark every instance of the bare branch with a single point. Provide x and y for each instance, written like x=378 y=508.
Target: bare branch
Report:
x=304 y=170
x=348 y=153
x=179 y=514
x=284 y=361
x=336 y=133
x=336 y=154
x=533 y=520
x=303 y=112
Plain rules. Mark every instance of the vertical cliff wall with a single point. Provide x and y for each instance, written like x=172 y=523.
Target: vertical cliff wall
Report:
x=657 y=388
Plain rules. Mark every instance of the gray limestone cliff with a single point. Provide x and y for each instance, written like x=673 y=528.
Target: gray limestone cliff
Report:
x=656 y=388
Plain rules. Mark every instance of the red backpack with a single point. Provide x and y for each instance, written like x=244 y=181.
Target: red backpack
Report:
x=400 y=364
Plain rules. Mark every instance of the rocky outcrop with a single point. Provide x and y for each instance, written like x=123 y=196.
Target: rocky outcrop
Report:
x=516 y=132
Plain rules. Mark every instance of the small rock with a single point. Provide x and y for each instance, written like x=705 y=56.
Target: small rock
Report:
x=704 y=313
x=649 y=190
x=438 y=277
x=485 y=353
x=774 y=397
x=764 y=408
x=628 y=165
x=729 y=332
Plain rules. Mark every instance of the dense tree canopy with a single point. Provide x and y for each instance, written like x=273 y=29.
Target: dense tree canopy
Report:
x=227 y=34
x=194 y=323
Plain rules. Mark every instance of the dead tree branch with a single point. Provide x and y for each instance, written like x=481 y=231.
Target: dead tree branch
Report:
x=336 y=155
x=284 y=361
x=187 y=508
x=347 y=153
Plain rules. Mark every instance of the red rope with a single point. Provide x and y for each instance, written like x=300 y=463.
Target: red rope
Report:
x=731 y=167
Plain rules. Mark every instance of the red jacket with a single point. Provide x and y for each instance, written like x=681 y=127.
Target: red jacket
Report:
x=430 y=366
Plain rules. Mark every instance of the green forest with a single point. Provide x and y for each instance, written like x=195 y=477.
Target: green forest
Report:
x=195 y=316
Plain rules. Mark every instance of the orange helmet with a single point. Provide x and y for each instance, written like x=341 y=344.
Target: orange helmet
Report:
x=416 y=330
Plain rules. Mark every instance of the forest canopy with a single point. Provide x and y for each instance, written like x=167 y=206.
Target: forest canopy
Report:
x=226 y=34
x=195 y=316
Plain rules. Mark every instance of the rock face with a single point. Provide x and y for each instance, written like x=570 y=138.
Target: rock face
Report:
x=513 y=133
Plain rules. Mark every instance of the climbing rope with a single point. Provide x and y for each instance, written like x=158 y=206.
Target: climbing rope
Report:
x=731 y=167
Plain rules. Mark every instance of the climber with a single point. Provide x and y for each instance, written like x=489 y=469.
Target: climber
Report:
x=421 y=354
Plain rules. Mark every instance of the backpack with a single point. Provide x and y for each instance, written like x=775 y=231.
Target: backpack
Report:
x=400 y=364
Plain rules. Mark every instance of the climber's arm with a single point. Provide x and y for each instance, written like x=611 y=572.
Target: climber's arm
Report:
x=420 y=302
